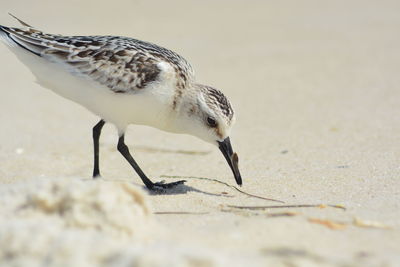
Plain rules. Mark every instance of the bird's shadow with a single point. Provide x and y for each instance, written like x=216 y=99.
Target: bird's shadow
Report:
x=183 y=189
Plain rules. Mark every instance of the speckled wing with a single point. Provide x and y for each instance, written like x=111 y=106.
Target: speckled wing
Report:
x=122 y=64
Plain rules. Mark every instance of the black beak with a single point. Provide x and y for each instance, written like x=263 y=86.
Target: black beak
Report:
x=232 y=158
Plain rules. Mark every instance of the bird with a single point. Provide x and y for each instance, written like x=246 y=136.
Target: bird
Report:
x=127 y=81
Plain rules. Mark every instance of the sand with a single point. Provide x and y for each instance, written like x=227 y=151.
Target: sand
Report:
x=315 y=86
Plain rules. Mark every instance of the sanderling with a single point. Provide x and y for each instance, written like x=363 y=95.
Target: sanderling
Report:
x=127 y=81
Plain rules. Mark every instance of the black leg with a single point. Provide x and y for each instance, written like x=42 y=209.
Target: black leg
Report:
x=96 y=136
x=124 y=150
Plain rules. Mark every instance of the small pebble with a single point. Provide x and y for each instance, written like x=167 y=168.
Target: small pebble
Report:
x=343 y=166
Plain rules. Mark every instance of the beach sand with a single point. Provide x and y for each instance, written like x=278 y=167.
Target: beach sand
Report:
x=315 y=86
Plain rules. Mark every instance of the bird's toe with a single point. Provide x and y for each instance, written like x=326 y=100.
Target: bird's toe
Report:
x=162 y=186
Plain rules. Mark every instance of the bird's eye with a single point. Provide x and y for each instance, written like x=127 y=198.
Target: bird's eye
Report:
x=211 y=122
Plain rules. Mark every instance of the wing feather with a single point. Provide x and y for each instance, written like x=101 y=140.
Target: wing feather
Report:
x=111 y=61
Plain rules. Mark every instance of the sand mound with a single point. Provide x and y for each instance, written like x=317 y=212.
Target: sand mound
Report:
x=116 y=207
x=49 y=220
x=113 y=207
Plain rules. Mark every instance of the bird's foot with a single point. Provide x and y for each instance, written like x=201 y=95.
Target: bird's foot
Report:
x=162 y=186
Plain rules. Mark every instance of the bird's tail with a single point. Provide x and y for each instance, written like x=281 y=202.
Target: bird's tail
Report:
x=10 y=38
x=5 y=36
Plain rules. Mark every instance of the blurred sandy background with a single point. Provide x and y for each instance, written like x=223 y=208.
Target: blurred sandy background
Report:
x=316 y=88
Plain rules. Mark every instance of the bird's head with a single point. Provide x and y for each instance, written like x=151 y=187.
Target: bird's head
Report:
x=207 y=114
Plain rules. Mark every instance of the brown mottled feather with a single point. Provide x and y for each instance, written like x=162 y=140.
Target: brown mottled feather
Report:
x=122 y=64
